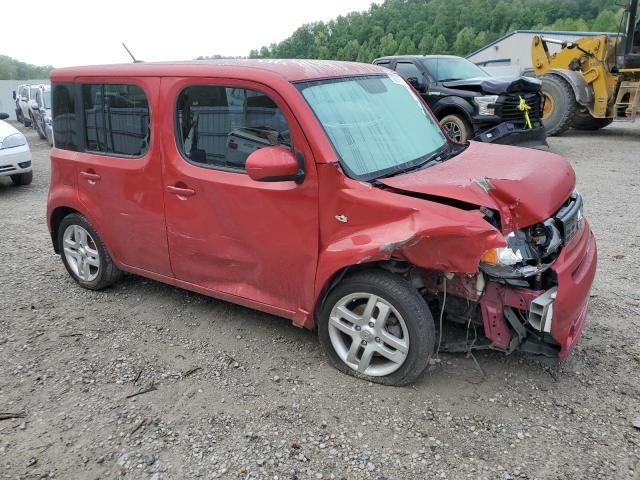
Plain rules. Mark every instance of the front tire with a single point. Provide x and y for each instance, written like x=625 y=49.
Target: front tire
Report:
x=376 y=326
x=457 y=128
x=84 y=255
x=560 y=105
x=20 y=179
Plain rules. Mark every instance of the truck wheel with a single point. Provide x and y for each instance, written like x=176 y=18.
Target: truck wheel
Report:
x=20 y=179
x=84 y=255
x=559 y=104
x=457 y=128
x=584 y=121
x=28 y=121
x=375 y=325
x=19 y=115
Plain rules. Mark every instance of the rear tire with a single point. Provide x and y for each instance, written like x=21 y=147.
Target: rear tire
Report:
x=84 y=255
x=560 y=105
x=584 y=121
x=457 y=128
x=28 y=122
x=20 y=179
x=375 y=325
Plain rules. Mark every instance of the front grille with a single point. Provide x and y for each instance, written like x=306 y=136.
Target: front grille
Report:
x=6 y=168
x=507 y=107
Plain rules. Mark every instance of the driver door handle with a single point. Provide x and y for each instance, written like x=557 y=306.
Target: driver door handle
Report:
x=181 y=191
x=91 y=176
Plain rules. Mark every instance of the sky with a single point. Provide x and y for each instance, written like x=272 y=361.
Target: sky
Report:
x=84 y=32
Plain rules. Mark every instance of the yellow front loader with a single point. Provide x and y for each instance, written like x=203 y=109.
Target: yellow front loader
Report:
x=590 y=82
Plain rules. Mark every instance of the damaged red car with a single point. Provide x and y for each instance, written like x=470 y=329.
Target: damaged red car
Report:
x=323 y=192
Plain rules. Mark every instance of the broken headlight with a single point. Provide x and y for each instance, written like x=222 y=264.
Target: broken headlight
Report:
x=528 y=252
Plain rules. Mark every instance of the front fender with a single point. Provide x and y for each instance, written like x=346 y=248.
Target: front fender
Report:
x=581 y=89
x=453 y=102
x=382 y=225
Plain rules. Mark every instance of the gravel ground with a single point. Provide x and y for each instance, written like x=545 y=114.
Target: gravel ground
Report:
x=234 y=393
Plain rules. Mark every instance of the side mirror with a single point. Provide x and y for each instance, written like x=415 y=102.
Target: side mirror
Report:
x=415 y=83
x=4 y=116
x=14 y=94
x=275 y=164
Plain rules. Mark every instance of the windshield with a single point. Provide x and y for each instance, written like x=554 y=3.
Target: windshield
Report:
x=46 y=98
x=447 y=69
x=34 y=92
x=377 y=125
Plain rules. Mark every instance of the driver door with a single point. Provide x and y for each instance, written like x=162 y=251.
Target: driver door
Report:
x=255 y=243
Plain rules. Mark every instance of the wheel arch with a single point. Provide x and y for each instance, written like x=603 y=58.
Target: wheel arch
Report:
x=453 y=106
x=581 y=89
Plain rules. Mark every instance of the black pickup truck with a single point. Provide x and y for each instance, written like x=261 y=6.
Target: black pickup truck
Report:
x=470 y=104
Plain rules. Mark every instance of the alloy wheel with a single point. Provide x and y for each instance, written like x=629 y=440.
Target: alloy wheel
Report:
x=453 y=130
x=368 y=334
x=81 y=252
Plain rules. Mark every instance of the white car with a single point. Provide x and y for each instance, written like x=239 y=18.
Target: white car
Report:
x=15 y=156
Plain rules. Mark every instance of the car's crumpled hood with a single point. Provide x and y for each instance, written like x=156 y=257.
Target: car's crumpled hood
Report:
x=525 y=186
x=497 y=85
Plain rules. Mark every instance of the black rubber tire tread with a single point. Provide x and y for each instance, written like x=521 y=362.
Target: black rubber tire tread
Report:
x=40 y=131
x=466 y=132
x=409 y=303
x=565 y=105
x=20 y=179
x=584 y=121
x=108 y=273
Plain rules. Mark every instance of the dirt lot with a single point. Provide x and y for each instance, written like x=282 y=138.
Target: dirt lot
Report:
x=240 y=394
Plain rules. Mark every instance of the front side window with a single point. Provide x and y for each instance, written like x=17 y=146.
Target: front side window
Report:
x=408 y=70
x=219 y=127
x=448 y=69
x=377 y=125
x=116 y=119
x=63 y=113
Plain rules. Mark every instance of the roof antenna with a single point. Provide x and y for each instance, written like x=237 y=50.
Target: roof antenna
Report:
x=131 y=54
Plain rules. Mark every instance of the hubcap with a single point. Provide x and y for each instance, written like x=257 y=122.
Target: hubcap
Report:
x=376 y=350
x=81 y=252
x=548 y=106
x=453 y=130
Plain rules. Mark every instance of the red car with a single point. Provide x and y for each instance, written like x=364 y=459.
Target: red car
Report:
x=323 y=192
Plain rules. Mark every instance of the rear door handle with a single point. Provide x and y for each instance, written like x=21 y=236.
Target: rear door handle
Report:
x=91 y=176
x=181 y=191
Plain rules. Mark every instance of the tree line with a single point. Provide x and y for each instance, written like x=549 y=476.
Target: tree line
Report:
x=11 y=69
x=456 y=27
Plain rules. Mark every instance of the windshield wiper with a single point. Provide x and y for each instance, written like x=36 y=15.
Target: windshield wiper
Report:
x=440 y=155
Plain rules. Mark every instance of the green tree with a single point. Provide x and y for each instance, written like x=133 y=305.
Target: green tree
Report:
x=465 y=41
x=407 y=47
x=388 y=45
x=440 y=46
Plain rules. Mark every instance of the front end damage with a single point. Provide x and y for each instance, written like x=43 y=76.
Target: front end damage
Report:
x=531 y=295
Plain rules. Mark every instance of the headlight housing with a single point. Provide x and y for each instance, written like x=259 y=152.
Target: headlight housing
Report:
x=486 y=104
x=15 y=140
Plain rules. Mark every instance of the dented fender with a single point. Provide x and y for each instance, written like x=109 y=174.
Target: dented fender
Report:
x=364 y=224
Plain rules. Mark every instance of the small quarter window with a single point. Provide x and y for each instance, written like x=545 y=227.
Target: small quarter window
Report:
x=219 y=127
x=65 y=132
x=116 y=119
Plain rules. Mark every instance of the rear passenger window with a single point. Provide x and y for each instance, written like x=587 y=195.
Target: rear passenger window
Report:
x=65 y=131
x=116 y=119
x=218 y=127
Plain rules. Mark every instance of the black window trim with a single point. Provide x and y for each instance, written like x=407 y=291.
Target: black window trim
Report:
x=177 y=134
x=82 y=122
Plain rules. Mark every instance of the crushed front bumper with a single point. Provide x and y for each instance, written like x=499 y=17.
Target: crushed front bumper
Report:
x=556 y=330
x=510 y=133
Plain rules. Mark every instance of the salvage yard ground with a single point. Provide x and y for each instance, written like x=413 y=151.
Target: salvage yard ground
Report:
x=146 y=381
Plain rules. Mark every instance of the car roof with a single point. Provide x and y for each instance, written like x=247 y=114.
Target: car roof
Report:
x=289 y=70
x=411 y=57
